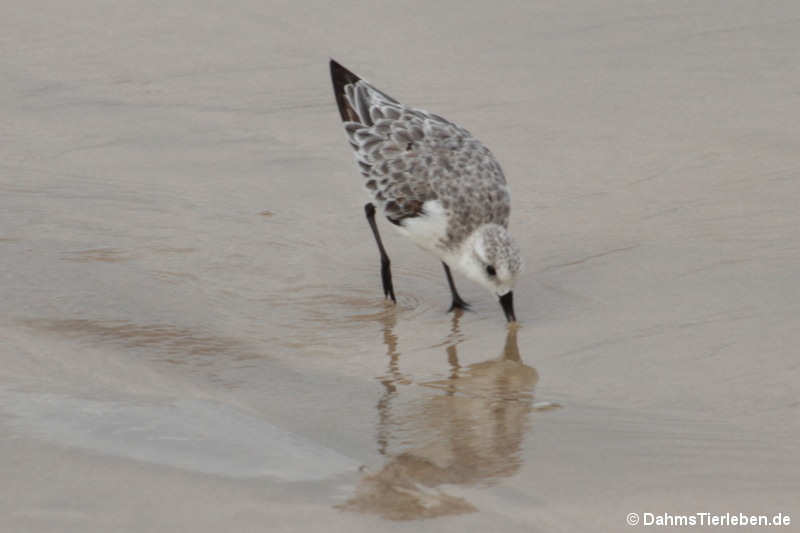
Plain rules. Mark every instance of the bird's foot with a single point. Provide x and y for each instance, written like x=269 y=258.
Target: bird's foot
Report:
x=458 y=303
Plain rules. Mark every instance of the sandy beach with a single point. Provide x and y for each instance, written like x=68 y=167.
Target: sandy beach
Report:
x=193 y=335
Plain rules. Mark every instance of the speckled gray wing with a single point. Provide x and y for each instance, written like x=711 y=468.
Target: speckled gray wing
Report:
x=409 y=156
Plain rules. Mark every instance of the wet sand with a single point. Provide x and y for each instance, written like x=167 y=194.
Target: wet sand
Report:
x=193 y=333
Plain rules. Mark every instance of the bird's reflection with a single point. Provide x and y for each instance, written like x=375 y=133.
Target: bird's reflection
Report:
x=467 y=429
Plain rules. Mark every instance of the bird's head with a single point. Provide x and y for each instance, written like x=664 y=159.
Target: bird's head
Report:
x=492 y=258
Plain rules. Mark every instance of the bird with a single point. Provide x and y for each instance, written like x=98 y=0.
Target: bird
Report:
x=434 y=183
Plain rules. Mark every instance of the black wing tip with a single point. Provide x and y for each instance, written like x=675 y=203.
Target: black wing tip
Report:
x=341 y=76
x=335 y=65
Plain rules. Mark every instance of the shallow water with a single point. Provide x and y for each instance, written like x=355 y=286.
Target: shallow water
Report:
x=190 y=297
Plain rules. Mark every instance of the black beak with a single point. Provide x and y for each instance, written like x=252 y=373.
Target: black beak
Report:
x=507 y=303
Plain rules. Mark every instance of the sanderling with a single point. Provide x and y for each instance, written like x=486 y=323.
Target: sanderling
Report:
x=435 y=183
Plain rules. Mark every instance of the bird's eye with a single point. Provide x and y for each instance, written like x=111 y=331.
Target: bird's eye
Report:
x=491 y=271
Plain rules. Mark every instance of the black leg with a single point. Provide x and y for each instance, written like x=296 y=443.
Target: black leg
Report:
x=458 y=303
x=386 y=272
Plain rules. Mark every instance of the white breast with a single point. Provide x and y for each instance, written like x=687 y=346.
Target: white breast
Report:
x=428 y=229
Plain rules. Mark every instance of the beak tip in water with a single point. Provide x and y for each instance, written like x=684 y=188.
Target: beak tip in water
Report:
x=507 y=303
